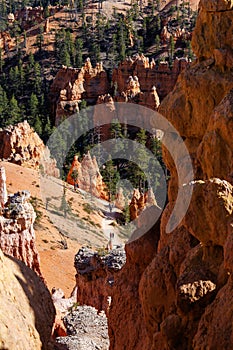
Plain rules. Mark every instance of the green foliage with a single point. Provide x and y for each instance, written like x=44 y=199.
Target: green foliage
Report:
x=75 y=175
x=126 y=214
x=111 y=177
x=87 y=208
x=79 y=55
x=35 y=202
x=102 y=251
x=65 y=207
x=14 y=111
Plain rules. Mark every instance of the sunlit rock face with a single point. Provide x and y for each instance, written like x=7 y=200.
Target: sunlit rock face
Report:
x=88 y=176
x=26 y=310
x=21 y=145
x=72 y=84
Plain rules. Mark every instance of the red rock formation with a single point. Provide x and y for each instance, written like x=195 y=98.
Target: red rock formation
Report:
x=120 y=201
x=6 y=42
x=141 y=201
x=17 y=235
x=178 y=294
x=75 y=167
x=89 y=178
x=71 y=85
x=21 y=145
x=95 y=276
x=28 y=16
x=148 y=74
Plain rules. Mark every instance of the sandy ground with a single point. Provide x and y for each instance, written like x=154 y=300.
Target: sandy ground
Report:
x=90 y=223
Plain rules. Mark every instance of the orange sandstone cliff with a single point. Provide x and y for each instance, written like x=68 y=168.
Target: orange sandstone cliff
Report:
x=21 y=145
x=175 y=291
x=88 y=176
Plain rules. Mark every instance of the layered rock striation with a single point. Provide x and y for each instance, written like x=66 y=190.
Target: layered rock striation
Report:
x=175 y=290
x=148 y=74
x=72 y=84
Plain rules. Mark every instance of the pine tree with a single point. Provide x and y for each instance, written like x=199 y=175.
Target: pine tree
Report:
x=38 y=126
x=157 y=42
x=37 y=79
x=172 y=47
x=31 y=60
x=111 y=177
x=33 y=105
x=13 y=111
x=65 y=56
x=3 y=106
x=74 y=176
x=79 y=55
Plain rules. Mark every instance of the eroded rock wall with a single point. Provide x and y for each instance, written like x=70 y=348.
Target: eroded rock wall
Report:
x=72 y=84
x=149 y=75
x=17 y=235
x=21 y=145
x=88 y=176
x=181 y=297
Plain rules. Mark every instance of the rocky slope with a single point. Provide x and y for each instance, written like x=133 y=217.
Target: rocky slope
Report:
x=177 y=294
x=26 y=311
x=86 y=330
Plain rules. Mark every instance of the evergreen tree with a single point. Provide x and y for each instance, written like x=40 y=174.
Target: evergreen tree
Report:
x=79 y=55
x=172 y=47
x=37 y=79
x=33 y=105
x=3 y=106
x=157 y=42
x=65 y=56
x=111 y=177
x=13 y=111
x=38 y=126
x=31 y=60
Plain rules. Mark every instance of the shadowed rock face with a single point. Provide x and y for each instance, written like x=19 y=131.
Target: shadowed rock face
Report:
x=26 y=309
x=95 y=276
x=175 y=290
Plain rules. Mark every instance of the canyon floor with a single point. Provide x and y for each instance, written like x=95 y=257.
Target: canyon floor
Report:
x=58 y=239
